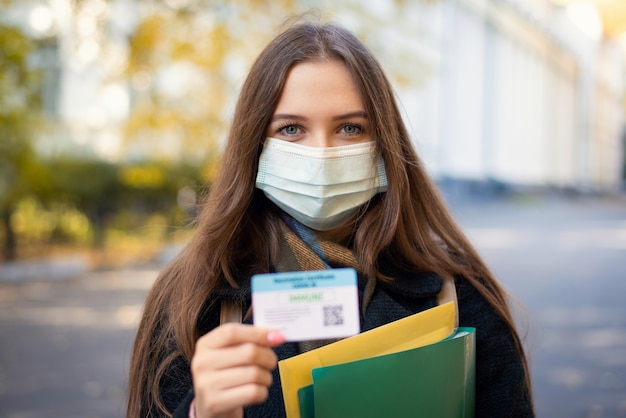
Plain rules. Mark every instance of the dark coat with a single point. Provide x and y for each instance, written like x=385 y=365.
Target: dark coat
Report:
x=501 y=390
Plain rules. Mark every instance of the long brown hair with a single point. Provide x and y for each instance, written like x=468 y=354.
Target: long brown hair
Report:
x=409 y=223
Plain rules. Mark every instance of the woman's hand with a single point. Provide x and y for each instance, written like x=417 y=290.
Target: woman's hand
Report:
x=232 y=367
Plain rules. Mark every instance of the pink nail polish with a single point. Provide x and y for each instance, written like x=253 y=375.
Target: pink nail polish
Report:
x=275 y=337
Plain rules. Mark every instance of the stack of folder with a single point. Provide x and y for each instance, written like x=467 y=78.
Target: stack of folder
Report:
x=417 y=366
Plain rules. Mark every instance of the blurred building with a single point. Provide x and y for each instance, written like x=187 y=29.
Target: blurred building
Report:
x=82 y=89
x=516 y=92
x=522 y=96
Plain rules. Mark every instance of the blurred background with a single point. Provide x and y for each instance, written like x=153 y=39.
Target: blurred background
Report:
x=112 y=118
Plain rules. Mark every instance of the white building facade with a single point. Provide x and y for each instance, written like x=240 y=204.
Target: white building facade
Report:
x=521 y=96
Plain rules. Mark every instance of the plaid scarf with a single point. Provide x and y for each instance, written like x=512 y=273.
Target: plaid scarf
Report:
x=301 y=249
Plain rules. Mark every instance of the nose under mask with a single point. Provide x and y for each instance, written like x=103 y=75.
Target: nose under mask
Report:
x=320 y=187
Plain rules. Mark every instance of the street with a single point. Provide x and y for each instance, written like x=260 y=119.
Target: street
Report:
x=565 y=261
x=65 y=343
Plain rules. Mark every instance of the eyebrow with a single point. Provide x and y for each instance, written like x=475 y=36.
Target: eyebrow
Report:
x=356 y=114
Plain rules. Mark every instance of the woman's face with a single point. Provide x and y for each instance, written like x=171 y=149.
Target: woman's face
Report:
x=320 y=106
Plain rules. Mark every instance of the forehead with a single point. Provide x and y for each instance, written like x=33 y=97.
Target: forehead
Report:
x=320 y=84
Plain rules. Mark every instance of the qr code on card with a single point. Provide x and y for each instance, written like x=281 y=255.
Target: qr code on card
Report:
x=333 y=315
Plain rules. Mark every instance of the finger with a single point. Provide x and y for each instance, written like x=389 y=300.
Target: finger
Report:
x=234 y=356
x=225 y=391
x=233 y=334
x=233 y=398
x=236 y=376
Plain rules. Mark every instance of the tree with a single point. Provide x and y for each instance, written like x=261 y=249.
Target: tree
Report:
x=100 y=190
x=20 y=172
x=188 y=58
x=184 y=63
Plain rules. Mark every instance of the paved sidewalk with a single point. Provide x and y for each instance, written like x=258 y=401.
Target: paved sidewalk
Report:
x=45 y=269
x=65 y=344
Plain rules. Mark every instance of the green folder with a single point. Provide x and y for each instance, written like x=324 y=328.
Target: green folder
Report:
x=436 y=380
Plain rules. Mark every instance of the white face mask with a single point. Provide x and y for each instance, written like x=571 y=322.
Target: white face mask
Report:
x=320 y=187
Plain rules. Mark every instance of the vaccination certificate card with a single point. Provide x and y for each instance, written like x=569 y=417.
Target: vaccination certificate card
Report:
x=307 y=305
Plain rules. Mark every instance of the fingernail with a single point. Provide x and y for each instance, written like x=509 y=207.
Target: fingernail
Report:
x=275 y=337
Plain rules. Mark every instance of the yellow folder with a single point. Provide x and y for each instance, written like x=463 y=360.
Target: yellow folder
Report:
x=414 y=331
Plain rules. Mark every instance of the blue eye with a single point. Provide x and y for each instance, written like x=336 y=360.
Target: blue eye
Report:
x=351 y=129
x=289 y=130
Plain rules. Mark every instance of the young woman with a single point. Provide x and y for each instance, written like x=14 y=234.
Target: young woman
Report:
x=318 y=172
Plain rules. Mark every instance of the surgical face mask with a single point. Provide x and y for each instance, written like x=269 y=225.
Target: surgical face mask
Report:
x=320 y=187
